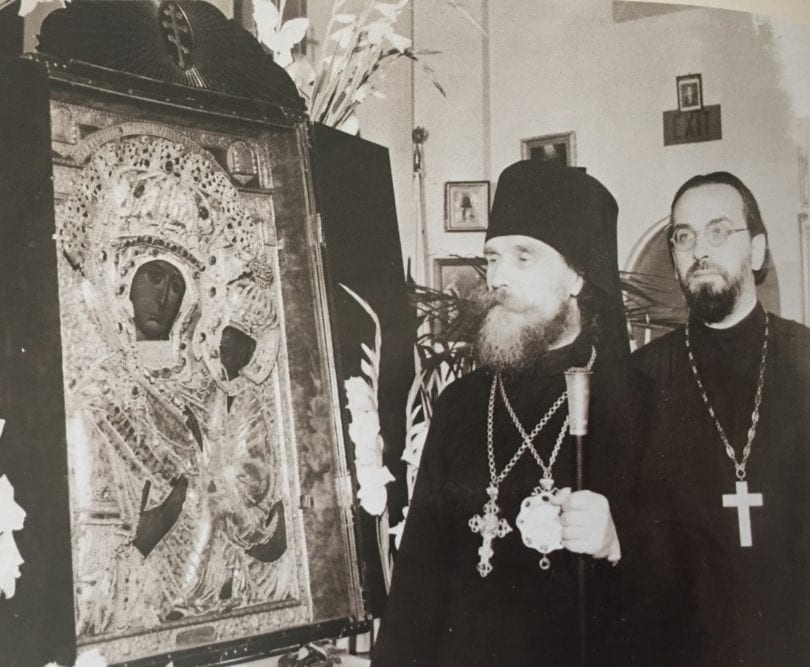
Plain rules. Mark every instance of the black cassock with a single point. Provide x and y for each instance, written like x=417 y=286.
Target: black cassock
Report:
x=440 y=610
x=701 y=597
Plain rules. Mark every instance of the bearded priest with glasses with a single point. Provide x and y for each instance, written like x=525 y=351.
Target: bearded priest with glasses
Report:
x=726 y=477
x=501 y=562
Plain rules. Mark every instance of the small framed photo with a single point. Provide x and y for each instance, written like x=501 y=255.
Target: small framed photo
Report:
x=461 y=280
x=559 y=147
x=460 y=276
x=690 y=92
x=466 y=206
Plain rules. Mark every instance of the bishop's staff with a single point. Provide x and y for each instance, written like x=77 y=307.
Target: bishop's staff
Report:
x=578 y=387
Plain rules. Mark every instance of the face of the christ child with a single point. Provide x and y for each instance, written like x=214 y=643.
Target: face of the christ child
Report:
x=235 y=350
x=530 y=303
x=713 y=251
x=156 y=294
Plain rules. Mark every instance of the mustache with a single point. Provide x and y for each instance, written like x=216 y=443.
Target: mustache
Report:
x=488 y=299
x=705 y=265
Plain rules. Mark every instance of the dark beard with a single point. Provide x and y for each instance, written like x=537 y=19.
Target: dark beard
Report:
x=710 y=305
x=512 y=347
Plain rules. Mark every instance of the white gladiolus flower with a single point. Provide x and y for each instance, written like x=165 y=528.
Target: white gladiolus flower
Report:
x=377 y=30
x=27 y=6
x=359 y=395
x=399 y=42
x=10 y=561
x=372 y=494
x=12 y=515
x=280 y=37
x=391 y=10
x=365 y=434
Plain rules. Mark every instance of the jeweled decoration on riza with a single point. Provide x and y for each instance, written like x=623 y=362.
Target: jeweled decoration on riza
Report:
x=169 y=303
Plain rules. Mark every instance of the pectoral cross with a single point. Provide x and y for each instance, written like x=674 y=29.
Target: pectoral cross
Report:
x=743 y=501
x=490 y=527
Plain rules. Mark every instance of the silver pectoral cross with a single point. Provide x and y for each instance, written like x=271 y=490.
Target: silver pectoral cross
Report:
x=490 y=527
x=743 y=501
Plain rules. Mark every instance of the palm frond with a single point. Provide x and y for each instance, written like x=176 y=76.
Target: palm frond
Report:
x=370 y=363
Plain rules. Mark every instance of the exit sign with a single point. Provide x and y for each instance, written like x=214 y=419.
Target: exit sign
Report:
x=686 y=127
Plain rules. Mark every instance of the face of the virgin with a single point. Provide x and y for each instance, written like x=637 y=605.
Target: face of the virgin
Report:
x=156 y=295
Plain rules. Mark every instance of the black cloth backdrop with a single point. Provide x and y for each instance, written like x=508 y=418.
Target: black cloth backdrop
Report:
x=701 y=598
x=356 y=201
x=11 y=30
x=37 y=623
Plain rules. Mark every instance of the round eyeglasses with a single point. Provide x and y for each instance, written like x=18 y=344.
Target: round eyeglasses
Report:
x=716 y=233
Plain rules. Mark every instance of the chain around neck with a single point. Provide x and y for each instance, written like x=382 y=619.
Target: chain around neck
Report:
x=496 y=478
x=528 y=438
x=739 y=465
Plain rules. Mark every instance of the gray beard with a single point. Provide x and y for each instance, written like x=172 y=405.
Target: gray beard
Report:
x=512 y=342
x=710 y=305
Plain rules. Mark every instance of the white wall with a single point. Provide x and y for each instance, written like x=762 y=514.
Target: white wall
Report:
x=457 y=148
x=549 y=66
x=611 y=82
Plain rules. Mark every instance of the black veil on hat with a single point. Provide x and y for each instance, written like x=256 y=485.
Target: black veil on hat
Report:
x=575 y=214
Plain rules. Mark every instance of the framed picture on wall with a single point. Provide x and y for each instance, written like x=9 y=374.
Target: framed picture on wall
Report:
x=550 y=147
x=690 y=92
x=462 y=276
x=461 y=279
x=466 y=206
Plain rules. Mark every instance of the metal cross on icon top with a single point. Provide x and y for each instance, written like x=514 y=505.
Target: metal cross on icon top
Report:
x=743 y=501
x=177 y=33
x=490 y=527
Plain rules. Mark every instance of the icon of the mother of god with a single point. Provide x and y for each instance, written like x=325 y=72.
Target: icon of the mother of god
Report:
x=179 y=503
x=156 y=294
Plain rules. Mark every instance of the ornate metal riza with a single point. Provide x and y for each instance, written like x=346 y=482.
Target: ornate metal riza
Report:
x=168 y=352
x=176 y=391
